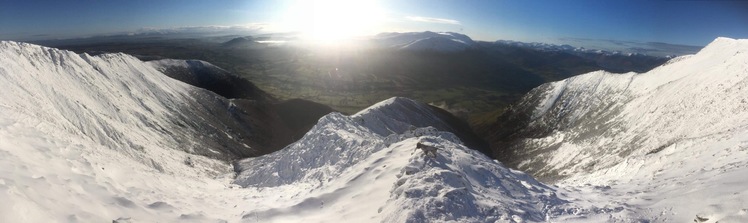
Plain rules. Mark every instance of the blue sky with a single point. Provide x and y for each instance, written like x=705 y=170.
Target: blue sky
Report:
x=679 y=22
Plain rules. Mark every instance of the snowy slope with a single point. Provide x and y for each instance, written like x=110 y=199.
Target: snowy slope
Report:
x=105 y=97
x=205 y=75
x=669 y=136
x=97 y=139
x=94 y=138
x=425 y=41
x=344 y=171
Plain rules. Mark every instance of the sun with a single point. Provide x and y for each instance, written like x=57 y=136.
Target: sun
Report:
x=334 y=20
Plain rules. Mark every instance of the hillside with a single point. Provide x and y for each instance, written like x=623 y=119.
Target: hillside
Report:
x=672 y=135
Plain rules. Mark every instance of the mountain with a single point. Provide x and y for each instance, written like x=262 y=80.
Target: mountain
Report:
x=94 y=138
x=110 y=138
x=283 y=121
x=245 y=42
x=425 y=41
x=613 y=61
x=103 y=97
x=210 y=77
x=365 y=168
x=677 y=132
x=609 y=47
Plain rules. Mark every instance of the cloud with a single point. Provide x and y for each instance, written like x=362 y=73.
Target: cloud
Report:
x=433 y=20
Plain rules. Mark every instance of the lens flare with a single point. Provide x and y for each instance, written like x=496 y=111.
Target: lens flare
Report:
x=334 y=20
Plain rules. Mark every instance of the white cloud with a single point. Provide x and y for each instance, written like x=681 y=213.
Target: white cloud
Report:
x=433 y=20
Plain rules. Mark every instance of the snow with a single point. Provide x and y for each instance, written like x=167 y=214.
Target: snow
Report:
x=669 y=141
x=607 y=47
x=397 y=115
x=163 y=64
x=425 y=41
x=348 y=173
x=439 y=44
x=93 y=139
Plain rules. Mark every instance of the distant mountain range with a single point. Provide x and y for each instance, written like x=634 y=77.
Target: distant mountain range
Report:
x=612 y=48
x=454 y=42
x=425 y=41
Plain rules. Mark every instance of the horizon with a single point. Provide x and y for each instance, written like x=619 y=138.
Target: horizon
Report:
x=692 y=23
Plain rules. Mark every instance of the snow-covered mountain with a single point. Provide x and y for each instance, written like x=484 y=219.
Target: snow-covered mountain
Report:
x=565 y=48
x=607 y=47
x=104 y=97
x=615 y=60
x=205 y=75
x=110 y=138
x=102 y=138
x=678 y=132
x=365 y=168
x=79 y=134
x=425 y=41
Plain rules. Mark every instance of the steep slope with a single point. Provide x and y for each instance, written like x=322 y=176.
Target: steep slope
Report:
x=677 y=132
x=94 y=138
x=104 y=97
x=282 y=122
x=210 y=77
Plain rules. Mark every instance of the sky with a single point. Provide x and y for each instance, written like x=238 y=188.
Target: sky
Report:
x=678 y=22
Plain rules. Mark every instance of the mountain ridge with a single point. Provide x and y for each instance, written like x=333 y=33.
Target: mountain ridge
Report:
x=597 y=95
x=102 y=135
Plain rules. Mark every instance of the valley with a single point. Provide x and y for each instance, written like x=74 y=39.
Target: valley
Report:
x=481 y=79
